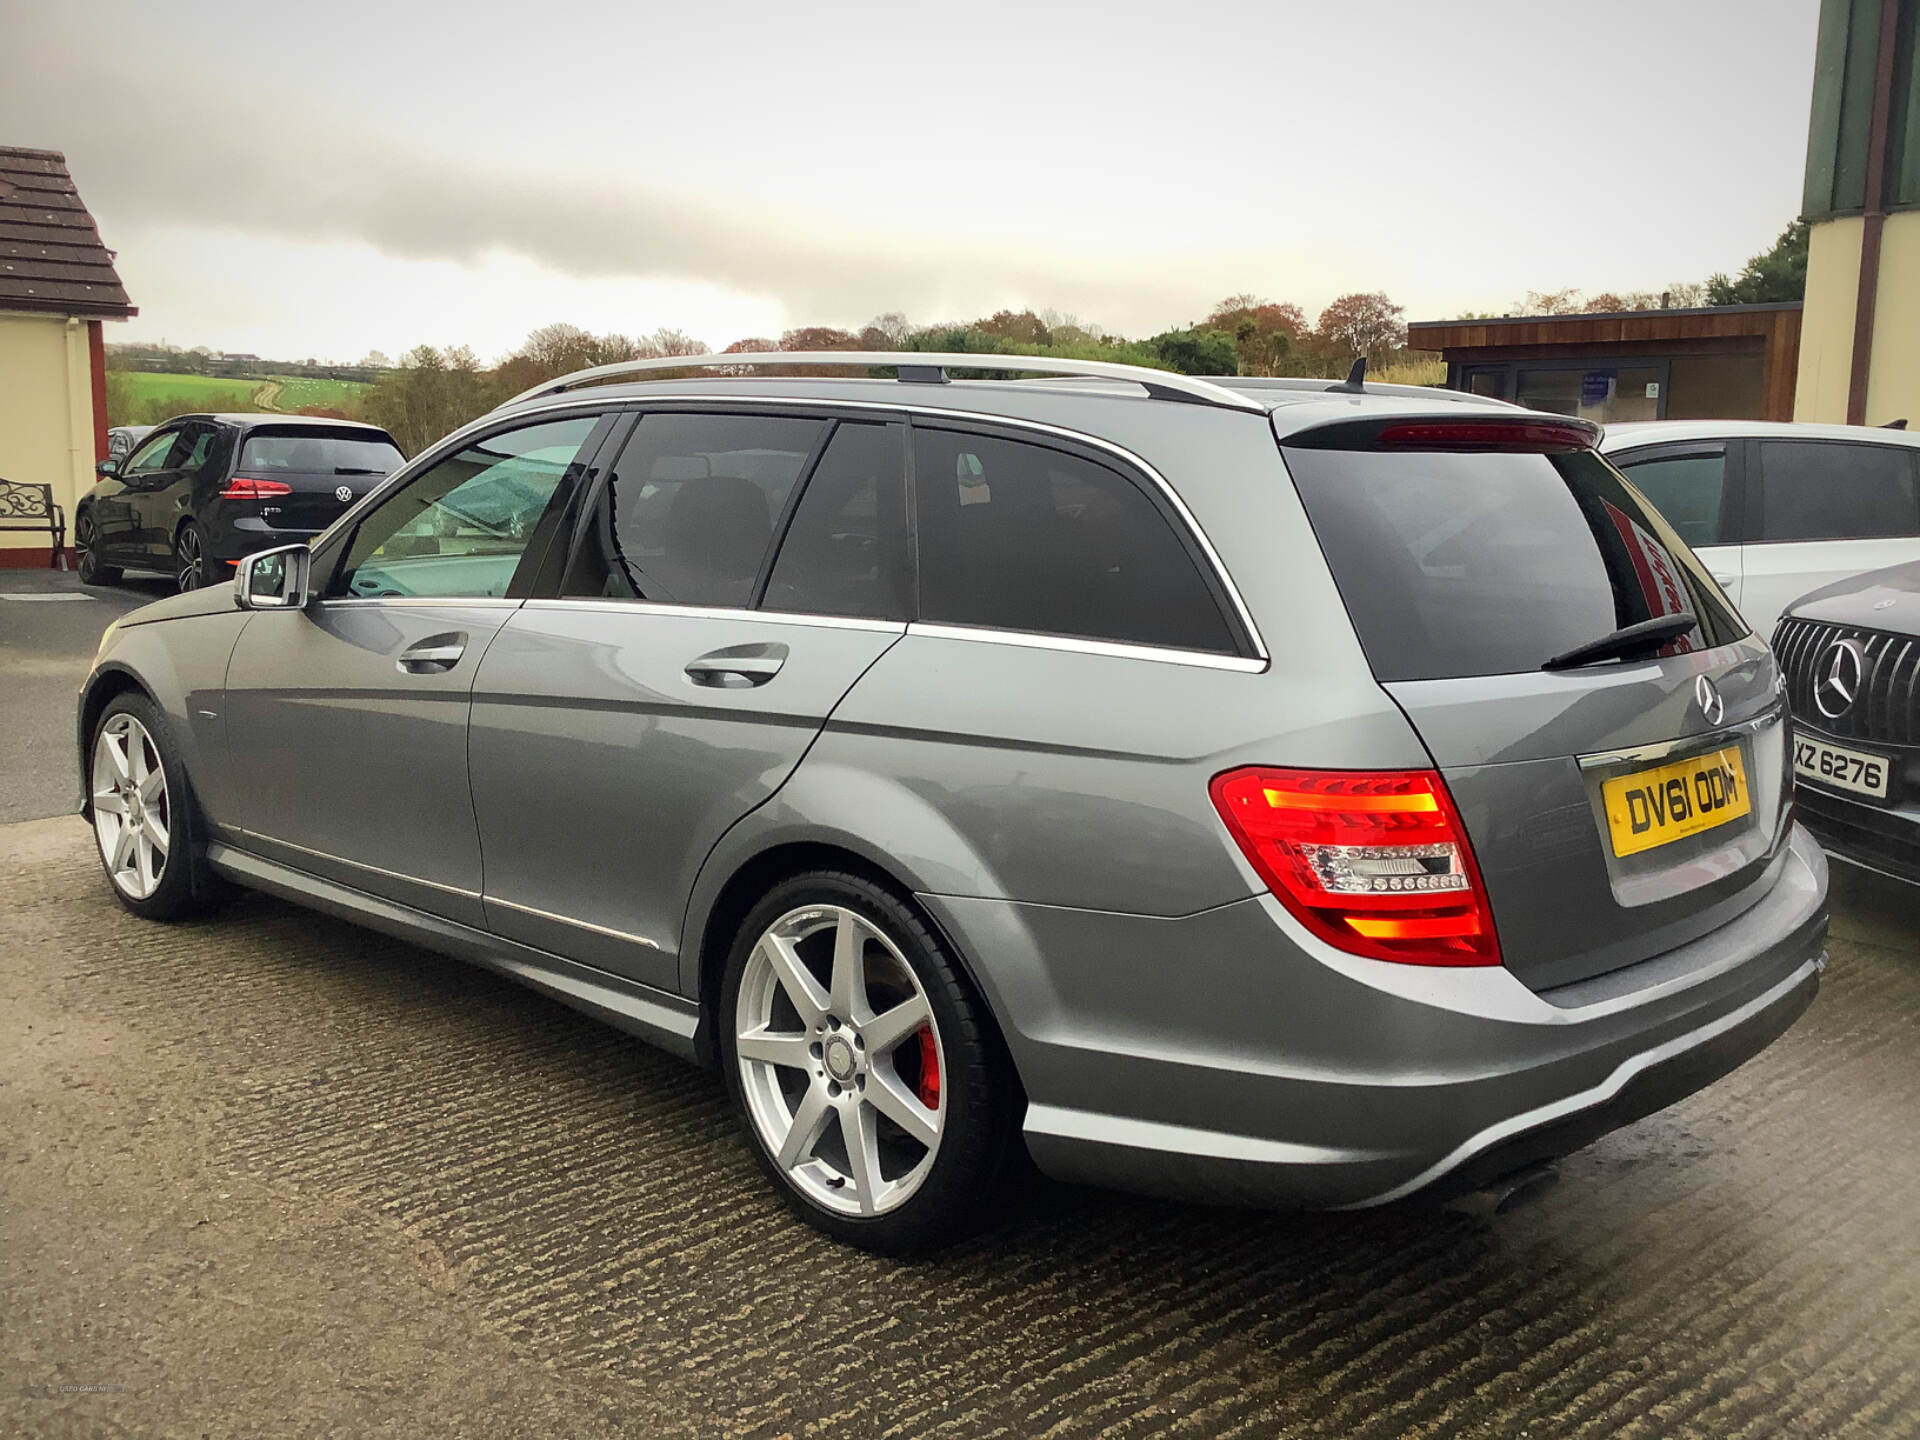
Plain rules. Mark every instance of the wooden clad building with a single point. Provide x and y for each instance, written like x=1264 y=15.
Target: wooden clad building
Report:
x=1726 y=362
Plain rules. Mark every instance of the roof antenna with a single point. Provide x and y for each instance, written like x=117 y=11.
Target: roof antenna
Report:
x=1899 y=424
x=1355 y=383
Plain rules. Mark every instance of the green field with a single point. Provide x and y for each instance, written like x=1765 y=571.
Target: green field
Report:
x=140 y=397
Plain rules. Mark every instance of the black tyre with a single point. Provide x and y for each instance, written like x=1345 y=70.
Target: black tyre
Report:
x=191 y=568
x=87 y=564
x=875 y=1087
x=145 y=822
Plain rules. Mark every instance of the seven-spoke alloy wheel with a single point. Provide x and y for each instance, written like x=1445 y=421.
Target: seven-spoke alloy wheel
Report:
x=131 y=810
x=190 y=557
x=842 y=1080
x=877 y=1089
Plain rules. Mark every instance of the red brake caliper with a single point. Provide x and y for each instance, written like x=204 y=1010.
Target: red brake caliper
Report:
x=929 y=1087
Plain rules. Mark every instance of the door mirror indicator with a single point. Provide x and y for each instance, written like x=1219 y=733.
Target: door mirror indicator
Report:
x=274 y=579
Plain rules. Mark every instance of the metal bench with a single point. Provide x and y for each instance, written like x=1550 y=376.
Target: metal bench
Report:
x=31 y=507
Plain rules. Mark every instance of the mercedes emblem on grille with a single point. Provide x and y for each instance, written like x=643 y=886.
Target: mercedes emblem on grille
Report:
x=1707 y=696
x=1842 y=665
x=343 y=494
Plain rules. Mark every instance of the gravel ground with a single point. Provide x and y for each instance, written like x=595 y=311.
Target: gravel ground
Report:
x=273 y=1175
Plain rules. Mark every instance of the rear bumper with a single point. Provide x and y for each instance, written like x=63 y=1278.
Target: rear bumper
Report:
x=1873 y=836
x=231 y=542
x=1229 y=1057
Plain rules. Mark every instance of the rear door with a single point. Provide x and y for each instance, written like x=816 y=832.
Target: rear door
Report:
x=1827 y=509
x=1698 y=489
x=1619 y=808
x=679 y=670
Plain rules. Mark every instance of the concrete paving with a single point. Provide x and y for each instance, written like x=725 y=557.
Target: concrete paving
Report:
x=269 y=1174
x=50 y=625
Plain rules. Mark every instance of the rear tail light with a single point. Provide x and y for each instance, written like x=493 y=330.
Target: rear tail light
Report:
x=243 y=488
x=1375 y=862
x=1527 y=437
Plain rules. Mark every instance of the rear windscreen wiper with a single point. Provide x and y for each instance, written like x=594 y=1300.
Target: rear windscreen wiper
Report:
x=1646 y=635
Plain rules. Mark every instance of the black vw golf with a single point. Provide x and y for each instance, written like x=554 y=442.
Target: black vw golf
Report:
x=202 y=492
x=1851 y=656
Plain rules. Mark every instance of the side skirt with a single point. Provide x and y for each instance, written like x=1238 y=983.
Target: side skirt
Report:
x=653 y=1015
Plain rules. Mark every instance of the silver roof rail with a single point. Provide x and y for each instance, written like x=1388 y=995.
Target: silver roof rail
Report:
x=922 y=368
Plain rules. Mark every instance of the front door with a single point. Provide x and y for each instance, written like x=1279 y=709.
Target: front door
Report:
x=347 y=721
x=116 y=525
x=620 y=727
x=164 y=500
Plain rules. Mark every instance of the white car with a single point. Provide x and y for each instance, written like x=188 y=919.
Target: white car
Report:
x=1776 y=510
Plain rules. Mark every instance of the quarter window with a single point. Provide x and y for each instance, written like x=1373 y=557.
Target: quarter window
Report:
x=688 y=513
x=1020 y=536
x=1829 y=490
x=1686 y=489
x=459 y=529
x=845 y=551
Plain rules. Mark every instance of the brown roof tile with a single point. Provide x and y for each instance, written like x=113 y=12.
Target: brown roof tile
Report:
x=51 y=255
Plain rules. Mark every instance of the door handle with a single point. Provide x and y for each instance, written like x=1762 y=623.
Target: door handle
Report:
x=1720 y=579
x=433 y=656
x=737 y=666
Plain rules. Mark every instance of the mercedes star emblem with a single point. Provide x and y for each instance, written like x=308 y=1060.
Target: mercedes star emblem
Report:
x=343 y=494
x=1708 y=698
x=1842 y=665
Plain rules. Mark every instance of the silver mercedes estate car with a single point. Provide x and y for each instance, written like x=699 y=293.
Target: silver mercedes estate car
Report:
x=1265 y=792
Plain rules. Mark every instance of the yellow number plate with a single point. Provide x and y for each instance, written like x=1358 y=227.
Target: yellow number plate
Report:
x=1652 y=807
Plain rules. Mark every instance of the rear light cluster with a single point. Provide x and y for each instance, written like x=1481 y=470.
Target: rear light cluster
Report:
x=1375 y=862
x=243 y=488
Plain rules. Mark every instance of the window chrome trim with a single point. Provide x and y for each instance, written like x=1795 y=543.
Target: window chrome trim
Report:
x=576 y=924
x=360 y=865
x=478 y=602
x=1701 y=743
x=1206 y=659
x=713 y=612
x=933 y=413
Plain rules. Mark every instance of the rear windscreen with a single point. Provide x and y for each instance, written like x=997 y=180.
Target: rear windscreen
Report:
x=1489 y=564
x=311 y=453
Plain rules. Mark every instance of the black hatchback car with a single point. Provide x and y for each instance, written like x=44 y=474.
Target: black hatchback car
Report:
x=203 y=492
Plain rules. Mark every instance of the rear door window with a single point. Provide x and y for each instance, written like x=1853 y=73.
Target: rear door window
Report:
x=845 y=552
x=1488 y=564
x=316 y=452
x=1021 y=536
x=1836 y=490
x=1689 y=490
x=689 y=510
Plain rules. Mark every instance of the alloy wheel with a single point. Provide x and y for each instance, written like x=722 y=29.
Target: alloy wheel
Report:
x=189 y=558
x=83 y=546
x=132 y=816
x=840 y=1060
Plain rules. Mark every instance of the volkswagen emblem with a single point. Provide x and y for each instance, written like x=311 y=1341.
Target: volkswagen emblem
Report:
x=1841 y=667
x=343 y=494
x=1707 y=696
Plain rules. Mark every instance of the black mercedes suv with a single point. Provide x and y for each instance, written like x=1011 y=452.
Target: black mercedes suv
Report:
x=203 y=492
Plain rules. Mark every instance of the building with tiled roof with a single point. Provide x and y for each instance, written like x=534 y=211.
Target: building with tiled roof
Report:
x=57 y=286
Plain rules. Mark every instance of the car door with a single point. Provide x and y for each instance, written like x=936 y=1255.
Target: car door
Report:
x=166 y=499
x=1697 y=488
x=116 y=522
x=1826 y=510
x=681 y=670
x=346 y=721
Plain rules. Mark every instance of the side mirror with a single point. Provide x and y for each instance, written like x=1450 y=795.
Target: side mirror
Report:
x=107 y=467
x=274 y=579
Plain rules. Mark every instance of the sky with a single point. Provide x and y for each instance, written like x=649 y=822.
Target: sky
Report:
x=326 y=180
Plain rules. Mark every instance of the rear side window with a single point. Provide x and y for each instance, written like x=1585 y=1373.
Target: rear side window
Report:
x=845 y=552
x=1830 y=490
x=689 y=509
x=316 y=452
x=1687 y=490
x=1489 y=564
x=1019 y=536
